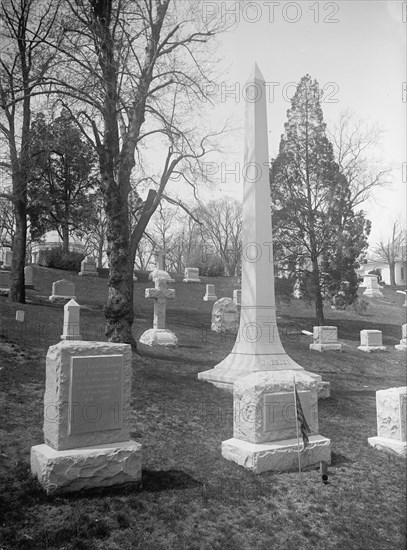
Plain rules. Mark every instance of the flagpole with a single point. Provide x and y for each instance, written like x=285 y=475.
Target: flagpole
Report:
x=296 y=425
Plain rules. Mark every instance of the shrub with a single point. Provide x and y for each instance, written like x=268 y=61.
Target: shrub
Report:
x=360 y=305
x=57 y=259
x=284 y=287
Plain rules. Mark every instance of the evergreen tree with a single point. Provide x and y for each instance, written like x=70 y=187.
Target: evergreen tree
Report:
x=64 y=178
x=317 y=235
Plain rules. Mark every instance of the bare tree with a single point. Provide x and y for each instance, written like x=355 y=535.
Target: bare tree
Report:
x=392 y=249
x=222 y=226
x=25 y=61
x=138 y=68
x=353 y=141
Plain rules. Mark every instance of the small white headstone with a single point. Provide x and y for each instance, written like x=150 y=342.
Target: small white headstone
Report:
x=225 y=316
x=62 y=291
x=20 y=315
x=71 y=321
x=391 y=421
x=403 y=342
x=210 y=295
x=371 y=340
x=237 y=297
x=88 y=268
x=28 y=276
x=325 y=339
x=191 y=275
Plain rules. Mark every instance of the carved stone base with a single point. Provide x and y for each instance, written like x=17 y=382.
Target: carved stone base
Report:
x=75 y=469
x=387 y=444
x=279 y=456
x=369 y=349
x=325 y=347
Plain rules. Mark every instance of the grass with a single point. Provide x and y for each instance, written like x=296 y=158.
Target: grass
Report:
x=192 y=498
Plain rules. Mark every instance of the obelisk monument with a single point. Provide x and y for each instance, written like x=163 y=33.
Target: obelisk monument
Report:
x=258 y=346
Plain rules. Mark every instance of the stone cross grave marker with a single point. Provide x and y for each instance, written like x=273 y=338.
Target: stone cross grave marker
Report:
x=265 y=425
x=87 y=419
x=371 y=340
x=391 y=421
x=325 y=339
x=159 y=335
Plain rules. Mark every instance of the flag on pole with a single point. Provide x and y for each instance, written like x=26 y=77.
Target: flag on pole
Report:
x=305 y=429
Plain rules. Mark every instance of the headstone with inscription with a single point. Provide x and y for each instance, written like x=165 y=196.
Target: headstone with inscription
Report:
x=371 y=283
x=29 y=277
x=265 y=425
x=403 y=342
x=210 y=295
x=391 y=421
x=237 y=297
x=225 y=316
x=371 y=340
x=258 y=346
x=325 y=339
x=87 y=419
x=159 y=335
x=88 y=268
x=4 y=282
x=62 y=291
x=191 y=275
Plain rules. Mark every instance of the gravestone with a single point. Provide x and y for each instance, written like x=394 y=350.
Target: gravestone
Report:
x=191 y=275
x=225 y=316
x=71 y=329
x=62 y=291
x=391 y=421
x=4 y=282
x=265 y=424
x=372 y=286
x=237 y=297
x=371 y=340
x=210 y=295
x=405 y=296
x=159 y=335
x=87 y=419
x=8 y=258
x=325 y=339
x=258 y=346
x=88 y=268
x=28 y=277
x=403 y=342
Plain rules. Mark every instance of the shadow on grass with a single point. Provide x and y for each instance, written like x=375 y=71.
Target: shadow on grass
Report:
x=164 y=480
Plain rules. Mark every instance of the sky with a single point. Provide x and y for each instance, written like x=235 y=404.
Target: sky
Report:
x=356 y=50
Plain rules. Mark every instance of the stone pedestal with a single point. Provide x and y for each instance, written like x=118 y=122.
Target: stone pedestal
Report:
x=265 y=424
x=88 y=268
x=372 y=286
x=191 y=275
x=87 y=419
x=391 y=421
x=325 y=339
x=210 y=295
x=403 y=342
x=371 y=340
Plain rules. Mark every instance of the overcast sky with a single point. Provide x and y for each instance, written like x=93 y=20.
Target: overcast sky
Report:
x=356 y=50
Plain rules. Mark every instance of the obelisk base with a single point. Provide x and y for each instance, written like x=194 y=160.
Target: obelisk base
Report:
x=237 y=365
x=278 y=456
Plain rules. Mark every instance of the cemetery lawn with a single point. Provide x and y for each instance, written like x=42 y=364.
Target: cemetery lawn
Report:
x=191 y=497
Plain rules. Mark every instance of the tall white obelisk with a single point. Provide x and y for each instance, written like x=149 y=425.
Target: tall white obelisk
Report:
x=258 y=346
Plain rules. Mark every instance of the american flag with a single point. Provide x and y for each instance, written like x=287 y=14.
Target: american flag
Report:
x=305 y=429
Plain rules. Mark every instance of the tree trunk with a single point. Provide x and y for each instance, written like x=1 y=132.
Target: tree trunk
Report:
x=17 y=288
x=392 y=266
x=65 y=238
